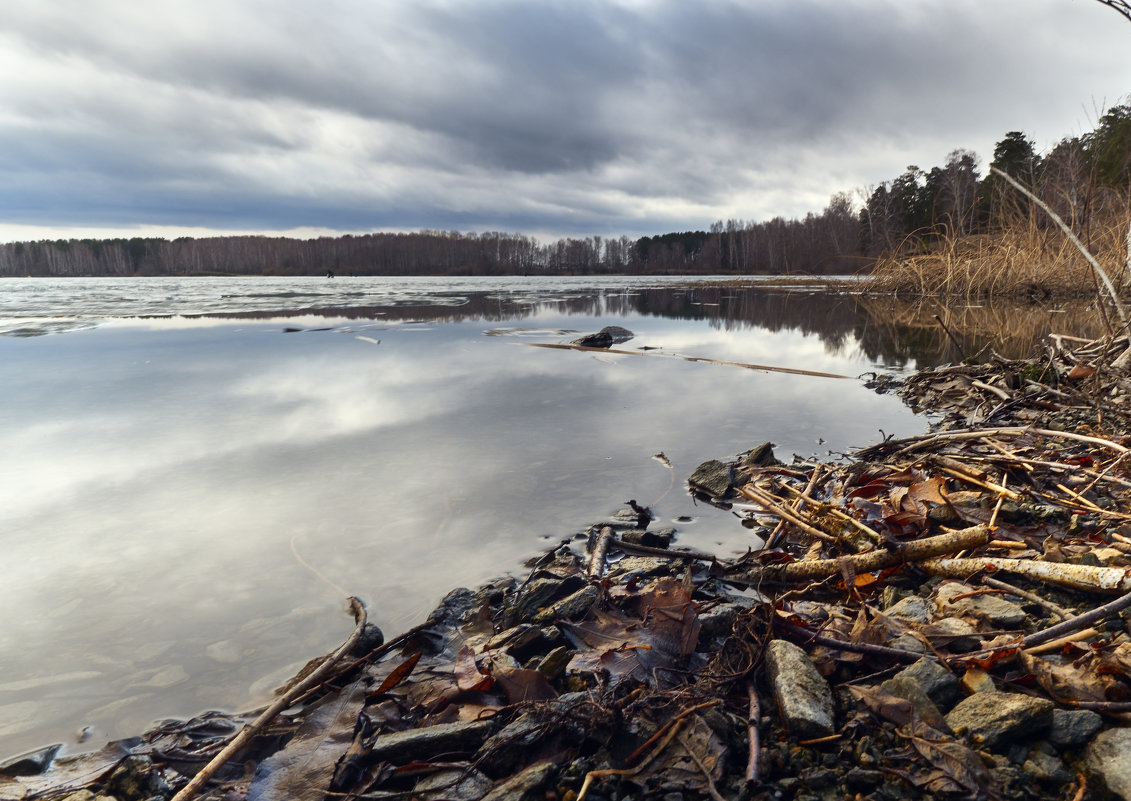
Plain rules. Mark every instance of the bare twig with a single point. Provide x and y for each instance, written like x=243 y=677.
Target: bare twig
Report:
x=1120 y=6
x=753 y=720
x=1099 y=271
x=240 y=740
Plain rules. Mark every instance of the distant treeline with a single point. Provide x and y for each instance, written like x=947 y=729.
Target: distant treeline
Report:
x=1085 y=179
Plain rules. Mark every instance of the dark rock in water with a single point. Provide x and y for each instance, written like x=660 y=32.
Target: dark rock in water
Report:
x=371 y=637
x=651 y=539
x=761 y=456
x=713 y=477
x=31 y=763
x=605 y=338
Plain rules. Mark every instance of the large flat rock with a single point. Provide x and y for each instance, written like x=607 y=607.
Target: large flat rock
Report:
x=991 y=718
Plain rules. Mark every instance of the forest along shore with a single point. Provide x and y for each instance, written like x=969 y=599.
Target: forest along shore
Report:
x=937 y=616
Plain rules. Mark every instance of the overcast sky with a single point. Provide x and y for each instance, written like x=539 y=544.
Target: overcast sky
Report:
x=551 y=118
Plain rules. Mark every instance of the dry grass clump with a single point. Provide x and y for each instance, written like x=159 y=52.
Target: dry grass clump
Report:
x=1028 y=257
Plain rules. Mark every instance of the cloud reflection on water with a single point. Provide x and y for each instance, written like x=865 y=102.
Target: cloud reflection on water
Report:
x=159 y=476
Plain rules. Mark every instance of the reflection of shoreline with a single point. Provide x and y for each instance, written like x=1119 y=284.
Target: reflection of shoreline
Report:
x=885 y=329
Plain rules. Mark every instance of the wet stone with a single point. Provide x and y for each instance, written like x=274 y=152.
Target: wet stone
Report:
x=909 y=690
x=1046 y=768
x=457 y=784
x=554 y=663
x=912 y=609
x=940 y=685
x=954 y=634
x=421 y=744
x=993 y=718
x=650 y=539
x=999 y=611
x=525 y=785
x=571 y=607
x=1108 y=760
x=804 y=698
x=30 y=763
x=713 y=477
x=976 y=680
x=1072 y=727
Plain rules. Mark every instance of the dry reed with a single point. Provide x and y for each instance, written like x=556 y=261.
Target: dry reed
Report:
x=1027 y=257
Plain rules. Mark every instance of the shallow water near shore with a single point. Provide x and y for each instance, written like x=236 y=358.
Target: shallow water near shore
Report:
x=188 y=498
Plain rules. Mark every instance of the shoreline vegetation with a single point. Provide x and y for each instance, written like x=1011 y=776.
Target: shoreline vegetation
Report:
x=938 y=616
x=945 y=230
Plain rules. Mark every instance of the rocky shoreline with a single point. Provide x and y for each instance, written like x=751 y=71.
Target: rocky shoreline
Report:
x=943 y=616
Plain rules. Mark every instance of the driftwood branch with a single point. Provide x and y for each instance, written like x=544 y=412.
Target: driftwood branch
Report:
x=914 y=551
x=597 y=560
x=240 y=740
x=1079 y=577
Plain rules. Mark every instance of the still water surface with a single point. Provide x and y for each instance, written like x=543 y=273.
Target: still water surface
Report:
x=186 y=497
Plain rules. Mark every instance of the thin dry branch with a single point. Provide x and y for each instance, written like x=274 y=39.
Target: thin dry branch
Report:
x=283 y=702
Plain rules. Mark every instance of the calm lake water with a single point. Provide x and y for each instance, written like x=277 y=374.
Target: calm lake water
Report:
x=194 y=470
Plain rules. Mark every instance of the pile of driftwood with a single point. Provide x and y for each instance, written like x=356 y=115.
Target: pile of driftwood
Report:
x=936 y=616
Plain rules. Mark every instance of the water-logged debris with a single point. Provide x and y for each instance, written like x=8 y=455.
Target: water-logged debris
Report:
x=940 y=603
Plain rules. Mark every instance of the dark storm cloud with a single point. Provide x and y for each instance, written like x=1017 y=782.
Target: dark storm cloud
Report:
x=586 y=117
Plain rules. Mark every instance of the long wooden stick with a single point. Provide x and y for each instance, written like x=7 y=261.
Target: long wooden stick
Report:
x=767 y=367
x=914 y=551
x=249 y=731
x=1079 y=577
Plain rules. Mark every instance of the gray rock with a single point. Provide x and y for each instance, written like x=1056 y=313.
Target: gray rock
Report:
x=527 y=784
x=618 y=333
x=571 y=607
x=713 y=477
x=991 y=718
x=541 y=592
x=804 y=698
x=718 y=620
x=31 y=763
x=598 y=340
x=652 y=539
x=761 y=456
x=940 y=685
x=909 y=690
x=1046 y=768
x=605 y=338
x=998 y=610
x=909 y=642
x=1108 y=760
x=554 y=663
x=430 y=741
x=954 y=634
x=456 y=784
x=912 y=609
x=1072 y=727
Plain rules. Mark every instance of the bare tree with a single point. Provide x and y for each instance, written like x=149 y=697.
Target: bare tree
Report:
x=1121 y=6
